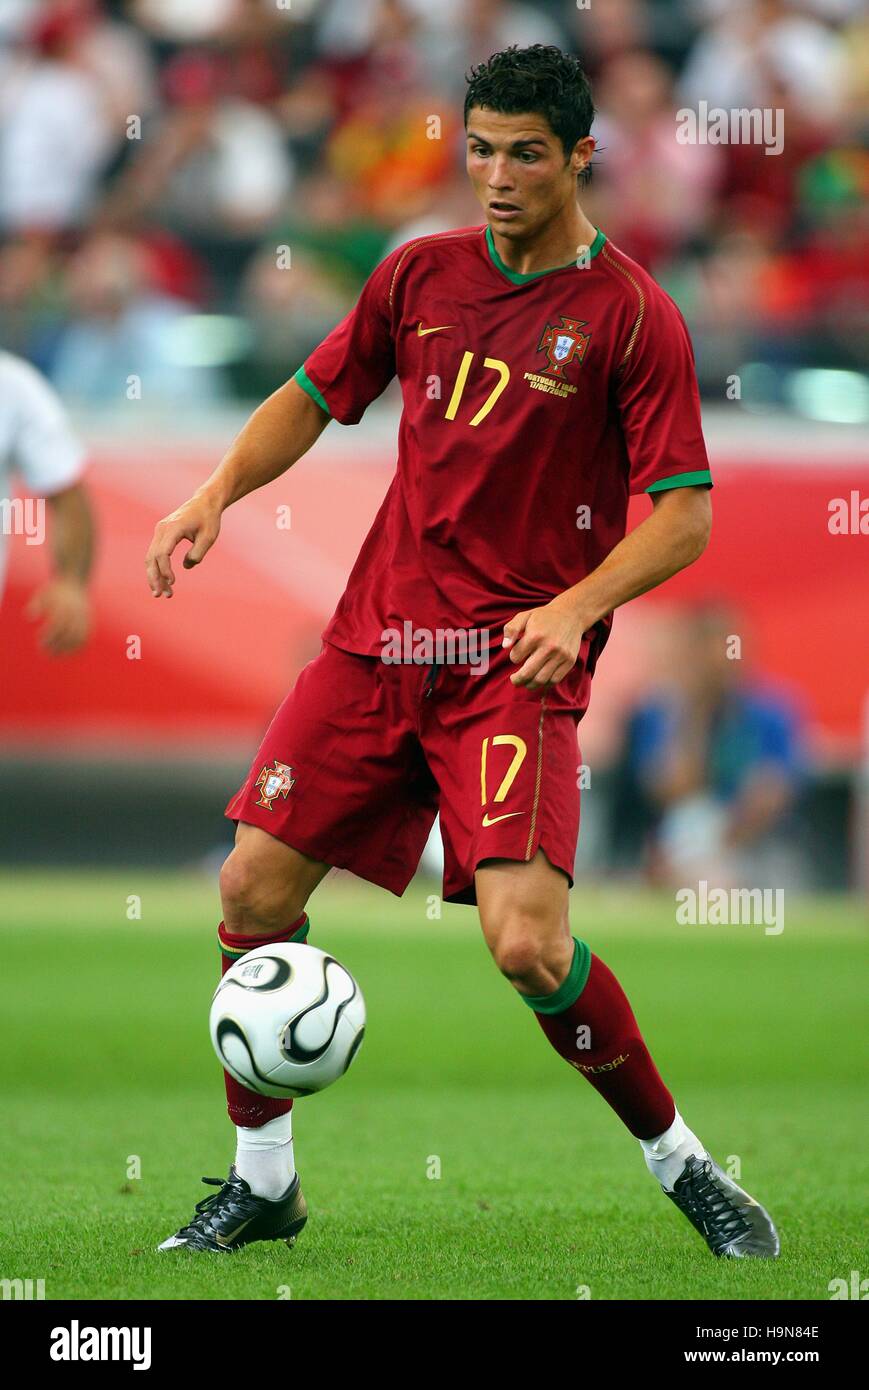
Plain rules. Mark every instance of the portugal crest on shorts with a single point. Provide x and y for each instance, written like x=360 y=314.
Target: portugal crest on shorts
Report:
x=274 y=781
x=563 y=343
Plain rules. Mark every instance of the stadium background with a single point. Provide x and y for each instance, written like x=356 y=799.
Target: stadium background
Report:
x=300 y=135
x=203 y=248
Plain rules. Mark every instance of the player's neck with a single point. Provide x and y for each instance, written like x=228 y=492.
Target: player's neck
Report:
x=557 y=244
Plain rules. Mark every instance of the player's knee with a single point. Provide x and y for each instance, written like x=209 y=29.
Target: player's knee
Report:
x=520 y=955
x=517 y=955
x=531 y=957
x=255 y=899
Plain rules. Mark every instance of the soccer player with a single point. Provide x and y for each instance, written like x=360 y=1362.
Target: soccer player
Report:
x=545 y=377
x=37 y=444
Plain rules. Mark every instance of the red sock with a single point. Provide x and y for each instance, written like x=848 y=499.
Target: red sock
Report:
x=615 y=1060
x=246 y=1107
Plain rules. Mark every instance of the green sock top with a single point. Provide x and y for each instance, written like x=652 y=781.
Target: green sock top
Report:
x=570 y=988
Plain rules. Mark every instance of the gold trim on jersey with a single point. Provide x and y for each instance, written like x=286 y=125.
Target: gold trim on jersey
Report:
x=623 y=270
x=537 y=779
x=421 y=241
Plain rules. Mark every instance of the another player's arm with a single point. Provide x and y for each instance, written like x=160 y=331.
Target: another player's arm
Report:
x=62 y=602
x=545 y=641
x=278 y=433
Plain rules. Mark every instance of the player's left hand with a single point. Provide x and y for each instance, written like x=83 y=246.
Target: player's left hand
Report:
x=63 y=606
x=544 y=643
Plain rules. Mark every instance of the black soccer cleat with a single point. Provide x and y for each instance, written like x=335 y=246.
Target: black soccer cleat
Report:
x=733 y=1224
x=233 y=1217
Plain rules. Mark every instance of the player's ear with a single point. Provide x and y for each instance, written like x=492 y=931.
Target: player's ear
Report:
x=582 y=153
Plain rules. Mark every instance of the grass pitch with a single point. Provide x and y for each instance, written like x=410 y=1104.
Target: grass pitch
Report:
x=113 y=1103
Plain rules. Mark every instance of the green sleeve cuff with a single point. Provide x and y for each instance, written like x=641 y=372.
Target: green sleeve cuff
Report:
x=301 y=376
x=697 y=479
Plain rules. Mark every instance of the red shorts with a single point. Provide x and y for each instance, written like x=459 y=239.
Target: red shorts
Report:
x=362 y=755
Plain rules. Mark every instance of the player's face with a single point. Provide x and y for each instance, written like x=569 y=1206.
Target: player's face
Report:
x=518 y=170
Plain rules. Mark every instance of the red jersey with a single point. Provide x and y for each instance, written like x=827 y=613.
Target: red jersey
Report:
x=533 y=405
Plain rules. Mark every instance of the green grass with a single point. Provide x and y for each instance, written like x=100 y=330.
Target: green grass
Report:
x=104 y=1054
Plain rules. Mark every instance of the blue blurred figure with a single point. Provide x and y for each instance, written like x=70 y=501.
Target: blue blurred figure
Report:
x=715 y=763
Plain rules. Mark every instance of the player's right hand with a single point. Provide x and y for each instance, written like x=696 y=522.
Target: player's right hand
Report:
x=197 y=521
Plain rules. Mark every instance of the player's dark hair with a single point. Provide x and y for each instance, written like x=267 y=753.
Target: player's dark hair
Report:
x=539 y=79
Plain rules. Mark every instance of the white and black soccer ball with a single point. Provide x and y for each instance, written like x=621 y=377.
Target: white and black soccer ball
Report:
x=287 y=1020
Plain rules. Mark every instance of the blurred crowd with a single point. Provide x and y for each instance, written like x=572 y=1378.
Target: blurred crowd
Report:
x=193 y=191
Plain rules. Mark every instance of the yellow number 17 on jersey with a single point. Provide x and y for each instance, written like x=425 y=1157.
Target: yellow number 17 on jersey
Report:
x=494 y=364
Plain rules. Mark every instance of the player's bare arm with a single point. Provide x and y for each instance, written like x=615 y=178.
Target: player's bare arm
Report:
x=545 y=641
x=275 y=437
x=62 y=603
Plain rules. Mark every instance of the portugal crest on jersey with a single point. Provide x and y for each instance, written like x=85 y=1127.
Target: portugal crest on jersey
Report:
x=274 y=781
x=563 y=343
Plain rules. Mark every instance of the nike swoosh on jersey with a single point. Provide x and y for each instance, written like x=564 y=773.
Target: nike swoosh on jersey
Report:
x=421 y=332
x=493 y=820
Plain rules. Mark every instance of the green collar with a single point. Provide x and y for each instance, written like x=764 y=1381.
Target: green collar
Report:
x=517 y=277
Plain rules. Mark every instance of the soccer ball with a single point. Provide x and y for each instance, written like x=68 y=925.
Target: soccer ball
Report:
x=287 y=1020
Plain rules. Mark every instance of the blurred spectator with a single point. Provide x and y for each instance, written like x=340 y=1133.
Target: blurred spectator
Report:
x=326 y=219
x=756 y=46
x=602 y=33
x=55 y=129
x=452 y=34
x=122 y=329
x=392 y=131
x=483 y=27
x=452 y=205
x=658 y=195
x=184 y=21
x=197 y=21
x=215 y=165
x=715 y=760
x=120 y=59
x=290 y=310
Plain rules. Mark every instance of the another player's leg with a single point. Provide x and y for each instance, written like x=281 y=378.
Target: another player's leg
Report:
x=587 y=1018
x=264 y=886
